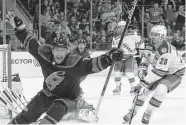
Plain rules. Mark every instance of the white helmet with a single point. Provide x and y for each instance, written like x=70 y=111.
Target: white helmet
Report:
x=158 y=34
x=120 y=27
x=122 y=23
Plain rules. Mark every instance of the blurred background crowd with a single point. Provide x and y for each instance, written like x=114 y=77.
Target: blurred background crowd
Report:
x=97 y=26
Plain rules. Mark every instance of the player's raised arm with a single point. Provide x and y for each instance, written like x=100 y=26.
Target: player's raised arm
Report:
x=78 y=66
x=27 y=39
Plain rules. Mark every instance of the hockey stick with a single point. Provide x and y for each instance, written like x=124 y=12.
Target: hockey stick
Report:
x=133 y=107
x=112 y=66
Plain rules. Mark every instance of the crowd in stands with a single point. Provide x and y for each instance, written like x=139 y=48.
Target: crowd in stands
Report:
x=170 y=13
x=105 y=15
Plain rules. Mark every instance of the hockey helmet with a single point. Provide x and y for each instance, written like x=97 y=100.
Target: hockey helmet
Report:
x=60 y=42
x=122 y=23
x=120 y=27
x=81 y=41
x=158 y=34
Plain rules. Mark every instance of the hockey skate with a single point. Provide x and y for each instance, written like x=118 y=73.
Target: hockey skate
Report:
x=127 y=117
x=117 y=90
x=146 y=118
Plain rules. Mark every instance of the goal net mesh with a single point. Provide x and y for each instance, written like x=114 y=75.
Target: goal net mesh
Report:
x=4 y=76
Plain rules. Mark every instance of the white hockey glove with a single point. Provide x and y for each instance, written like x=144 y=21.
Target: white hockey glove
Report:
x=140 y=88
x=15 y=21
x=142 y=70
x=87 y=115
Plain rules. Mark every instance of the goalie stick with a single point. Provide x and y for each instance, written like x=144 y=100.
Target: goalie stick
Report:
x=112 y=66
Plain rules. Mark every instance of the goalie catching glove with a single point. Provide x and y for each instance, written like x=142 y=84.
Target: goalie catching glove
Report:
x=15 y=21
x=140 y=88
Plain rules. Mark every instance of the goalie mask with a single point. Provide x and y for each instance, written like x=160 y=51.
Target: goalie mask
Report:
x=158 y=35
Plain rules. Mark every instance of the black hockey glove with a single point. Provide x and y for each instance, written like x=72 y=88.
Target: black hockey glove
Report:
x=115 y=54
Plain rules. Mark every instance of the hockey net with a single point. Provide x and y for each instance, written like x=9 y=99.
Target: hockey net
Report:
x=5 y=76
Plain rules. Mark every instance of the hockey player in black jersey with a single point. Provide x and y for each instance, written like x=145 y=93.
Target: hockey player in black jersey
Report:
x=62 y=71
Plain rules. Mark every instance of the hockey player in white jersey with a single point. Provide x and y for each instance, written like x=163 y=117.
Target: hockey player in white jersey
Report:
x=125 y=66
x=165 y=75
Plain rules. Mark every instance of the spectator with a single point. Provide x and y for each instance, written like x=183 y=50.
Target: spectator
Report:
x=53 y=10
x=180 y=22
x=72 y=23
x=61 y=16
x=84 y=5
x=178 y=41
x=44 y=6
x=83 y=24
x=75 y=13
x=55 y=19
x=1 y=37
x=86 y=30
x=81 y=35
x=155 y=13
x=170 y=14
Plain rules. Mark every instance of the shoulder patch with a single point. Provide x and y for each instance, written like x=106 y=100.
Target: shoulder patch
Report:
x=72 y=60
x=45 y=51
x=164 y=50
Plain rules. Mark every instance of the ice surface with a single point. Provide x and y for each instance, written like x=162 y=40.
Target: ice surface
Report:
x=112 y=109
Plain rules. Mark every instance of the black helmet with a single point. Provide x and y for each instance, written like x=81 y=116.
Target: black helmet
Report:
x=60 y=42
x=81 y=41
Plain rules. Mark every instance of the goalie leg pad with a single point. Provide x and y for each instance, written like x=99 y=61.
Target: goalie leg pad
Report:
x=36 y=107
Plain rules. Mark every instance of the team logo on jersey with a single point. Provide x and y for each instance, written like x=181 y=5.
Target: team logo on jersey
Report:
x=164 y=50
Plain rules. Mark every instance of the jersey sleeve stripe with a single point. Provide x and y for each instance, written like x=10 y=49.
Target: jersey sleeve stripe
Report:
x=27 y=40
x=99 y=64
x=180 y=72
x=96 y=64
x=159 y=72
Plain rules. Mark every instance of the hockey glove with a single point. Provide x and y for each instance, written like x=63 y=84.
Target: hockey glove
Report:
x=140 y=88
x=115 y=54
x=15 y=21
x=142 y=70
